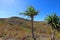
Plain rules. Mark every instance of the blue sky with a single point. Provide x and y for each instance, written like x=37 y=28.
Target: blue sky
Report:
x=9 y=8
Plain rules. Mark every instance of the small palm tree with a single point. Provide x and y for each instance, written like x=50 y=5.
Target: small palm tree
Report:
x=31 y=12
x=54 y=21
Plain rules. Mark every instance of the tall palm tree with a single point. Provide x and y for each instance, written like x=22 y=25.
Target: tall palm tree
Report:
x=54 y=21
x=31 y=12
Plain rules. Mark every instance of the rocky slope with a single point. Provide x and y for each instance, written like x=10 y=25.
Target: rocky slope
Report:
x=19 y=28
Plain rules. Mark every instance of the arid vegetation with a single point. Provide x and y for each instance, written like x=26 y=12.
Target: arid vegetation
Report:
x=22 y=29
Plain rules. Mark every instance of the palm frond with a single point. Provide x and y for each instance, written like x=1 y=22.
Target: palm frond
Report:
x=54 y=21
x=30 y=12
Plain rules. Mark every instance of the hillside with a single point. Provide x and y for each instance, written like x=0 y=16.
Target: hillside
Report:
x=15 y=27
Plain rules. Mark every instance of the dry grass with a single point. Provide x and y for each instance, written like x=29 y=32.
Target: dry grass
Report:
x=20 y=28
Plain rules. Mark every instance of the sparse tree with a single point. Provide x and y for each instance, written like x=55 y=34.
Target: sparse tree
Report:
x=31 y=12
x=54 y=21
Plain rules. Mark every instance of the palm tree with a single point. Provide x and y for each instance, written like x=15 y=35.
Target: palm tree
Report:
x=31 y=12
x=54 y=21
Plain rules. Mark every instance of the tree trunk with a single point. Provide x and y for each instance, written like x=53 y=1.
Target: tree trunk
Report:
x=53 y=35
x=32 y=28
